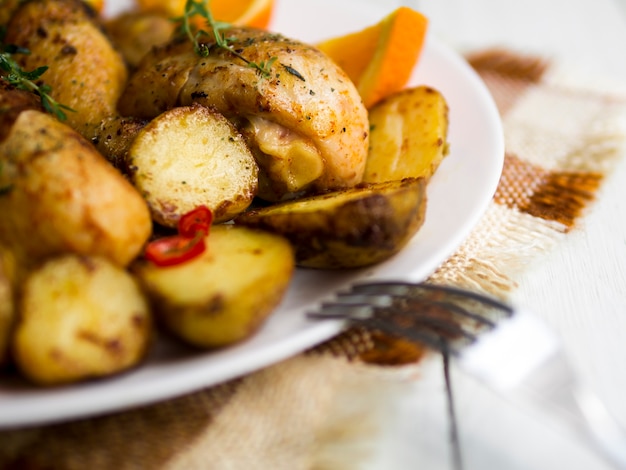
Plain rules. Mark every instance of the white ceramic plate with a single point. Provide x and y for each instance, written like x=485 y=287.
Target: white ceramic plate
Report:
x=458 y=195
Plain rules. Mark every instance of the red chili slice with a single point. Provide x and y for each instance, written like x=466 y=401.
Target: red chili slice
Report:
x=194 y=221
x=176 y=249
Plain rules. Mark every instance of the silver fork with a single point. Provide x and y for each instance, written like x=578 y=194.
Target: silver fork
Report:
x=506 y=348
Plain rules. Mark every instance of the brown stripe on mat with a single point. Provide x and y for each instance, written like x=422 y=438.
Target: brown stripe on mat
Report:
x=563 y=196
x=526 y=68
x=507 y=74
x=519 y=181
x=350 y=344
x=145 y=437
x=371 y=347
x=559 y=196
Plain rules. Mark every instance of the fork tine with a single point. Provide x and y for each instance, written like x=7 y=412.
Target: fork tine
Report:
x=428 y=322
x=389 y=306
x=402 y=289
x=444 y=318
x=365 y=315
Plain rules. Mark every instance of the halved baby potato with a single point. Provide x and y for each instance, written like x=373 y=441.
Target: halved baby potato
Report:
x=350 y=228
x=224 y=295
x=80 y=317
x=191 y=156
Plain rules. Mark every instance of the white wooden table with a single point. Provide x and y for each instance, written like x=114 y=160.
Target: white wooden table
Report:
x=580 y=288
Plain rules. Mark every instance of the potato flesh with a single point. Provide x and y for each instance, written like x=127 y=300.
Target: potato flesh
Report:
x=80 y=317
x=224 y=295
x=408 y=136
x=192 y=156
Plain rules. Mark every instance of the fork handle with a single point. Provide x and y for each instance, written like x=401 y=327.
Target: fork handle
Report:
x=542 y=377
x=606 y=434
x=576 y=406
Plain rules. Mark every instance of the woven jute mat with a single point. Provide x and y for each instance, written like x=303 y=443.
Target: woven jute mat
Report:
x=562 y=137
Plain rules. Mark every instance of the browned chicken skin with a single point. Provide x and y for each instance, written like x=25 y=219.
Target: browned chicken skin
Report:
x=304 y=119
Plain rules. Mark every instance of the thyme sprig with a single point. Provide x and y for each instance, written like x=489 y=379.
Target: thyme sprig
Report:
x=26 y=80
x=201 y=8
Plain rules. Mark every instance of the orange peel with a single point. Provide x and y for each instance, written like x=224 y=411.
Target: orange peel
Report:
x=380 y=58
x=253 y=13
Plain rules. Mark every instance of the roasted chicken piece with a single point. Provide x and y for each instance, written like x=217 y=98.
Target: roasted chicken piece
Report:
x=301 y=115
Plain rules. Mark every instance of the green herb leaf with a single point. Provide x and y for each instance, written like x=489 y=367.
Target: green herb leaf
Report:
x=201 y=8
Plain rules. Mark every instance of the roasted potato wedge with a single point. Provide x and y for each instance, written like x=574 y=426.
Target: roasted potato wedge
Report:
x=408 y=137
x=191 y=156
x=349 y=228
x=59 y=195
x=225 y=294
x=85 y=72
x=80 y=318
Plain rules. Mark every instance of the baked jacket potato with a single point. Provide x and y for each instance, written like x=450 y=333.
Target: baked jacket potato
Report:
x=349 y=228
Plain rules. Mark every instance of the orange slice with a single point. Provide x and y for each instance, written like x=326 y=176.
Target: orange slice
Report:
x=255 y=13
x=380 y=58
x=97 y=5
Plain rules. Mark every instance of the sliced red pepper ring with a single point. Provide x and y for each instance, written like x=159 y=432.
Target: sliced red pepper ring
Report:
x=194 y=221
x=175 y=249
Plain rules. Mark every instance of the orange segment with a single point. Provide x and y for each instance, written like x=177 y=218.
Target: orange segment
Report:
x=255 y=13
x=97 y=5
x=380 y=59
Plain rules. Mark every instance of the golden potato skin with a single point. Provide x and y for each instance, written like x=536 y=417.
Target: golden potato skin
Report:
x=408 y=137
x=114 y=137
x=224 y=295
x=7 y=7
x=84 y=70
x=134 y=33
x=7 y=309
x=61 y=196
x=351 y=228
x=191 y=156
x=80 y=318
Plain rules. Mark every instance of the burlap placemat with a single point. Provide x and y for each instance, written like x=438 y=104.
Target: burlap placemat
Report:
x=320 y=409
